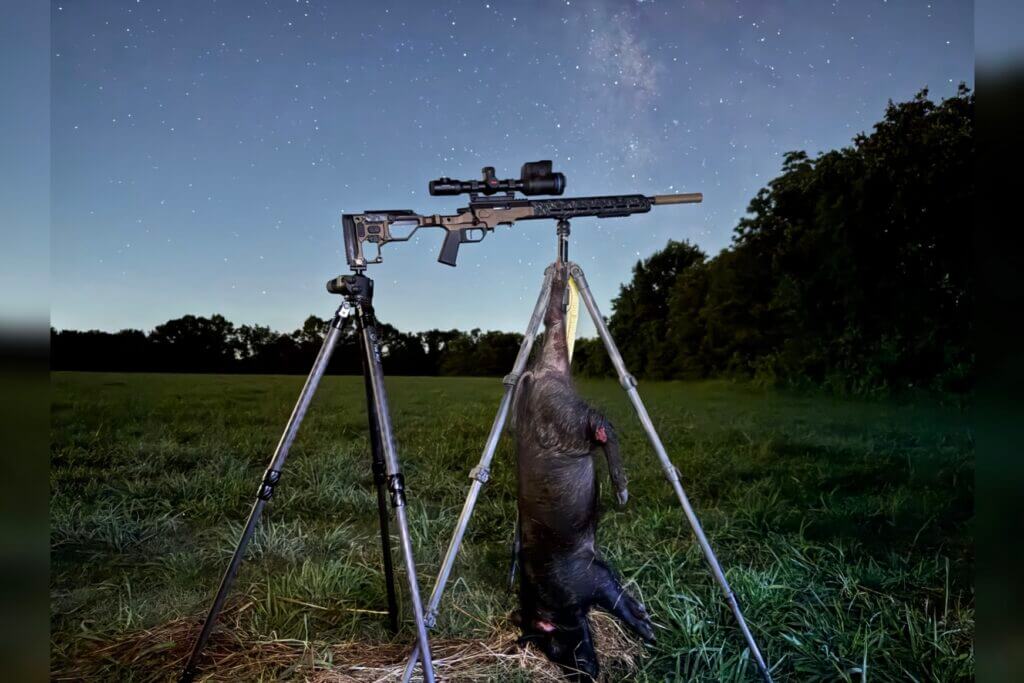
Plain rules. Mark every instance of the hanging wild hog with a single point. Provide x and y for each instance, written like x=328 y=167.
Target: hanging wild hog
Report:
x=562 y=573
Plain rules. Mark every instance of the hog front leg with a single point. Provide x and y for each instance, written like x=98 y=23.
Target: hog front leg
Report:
x=602 y=434
x=612 y=597
x=583 y=666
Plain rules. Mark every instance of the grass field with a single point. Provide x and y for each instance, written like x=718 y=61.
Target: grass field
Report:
x=845 y=528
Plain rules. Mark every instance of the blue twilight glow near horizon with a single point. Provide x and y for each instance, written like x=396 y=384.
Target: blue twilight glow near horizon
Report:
x=202 y=152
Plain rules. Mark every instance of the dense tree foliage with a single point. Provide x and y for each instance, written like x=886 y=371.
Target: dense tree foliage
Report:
x=851 y=270
x=198 y=344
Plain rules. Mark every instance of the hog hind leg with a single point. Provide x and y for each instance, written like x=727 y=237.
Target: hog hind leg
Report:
x=609 y=595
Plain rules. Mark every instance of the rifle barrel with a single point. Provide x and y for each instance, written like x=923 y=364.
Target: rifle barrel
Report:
x=684 y=198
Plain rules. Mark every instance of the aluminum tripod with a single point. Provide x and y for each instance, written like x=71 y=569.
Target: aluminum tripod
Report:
x=357 y=290
x=481 y=472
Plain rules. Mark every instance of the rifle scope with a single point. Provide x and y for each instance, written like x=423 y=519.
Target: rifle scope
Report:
x=536 y=177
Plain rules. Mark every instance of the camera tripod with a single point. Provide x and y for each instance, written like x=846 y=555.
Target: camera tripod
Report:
x=357 y=290
x=481 y=472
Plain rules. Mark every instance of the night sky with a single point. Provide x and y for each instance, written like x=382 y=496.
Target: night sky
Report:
x=202 y=152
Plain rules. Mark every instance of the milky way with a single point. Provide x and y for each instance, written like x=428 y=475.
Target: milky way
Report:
x=204 y=151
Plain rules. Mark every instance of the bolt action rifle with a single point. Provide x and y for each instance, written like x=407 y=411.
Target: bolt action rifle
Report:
x=485 y=212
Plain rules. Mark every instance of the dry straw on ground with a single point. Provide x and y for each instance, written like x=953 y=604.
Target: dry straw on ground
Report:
x=159 y=653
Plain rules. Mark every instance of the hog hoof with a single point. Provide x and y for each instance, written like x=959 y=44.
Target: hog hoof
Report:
x=642 y=623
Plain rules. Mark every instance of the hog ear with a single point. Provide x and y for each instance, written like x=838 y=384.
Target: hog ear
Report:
x=544 y=626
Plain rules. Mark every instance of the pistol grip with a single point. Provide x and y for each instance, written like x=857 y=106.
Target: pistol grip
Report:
x=450 y=247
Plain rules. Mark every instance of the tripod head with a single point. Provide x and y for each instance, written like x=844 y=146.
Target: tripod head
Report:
x=356 y=288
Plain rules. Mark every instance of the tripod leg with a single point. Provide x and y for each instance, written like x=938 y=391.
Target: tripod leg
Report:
x=481 y=472
x=396 y=483
x=629 y=384
x=266 y=489
x=380 y=481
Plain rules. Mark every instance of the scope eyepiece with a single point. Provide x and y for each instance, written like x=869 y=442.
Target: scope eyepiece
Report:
x=538 y=178
x=535 y=177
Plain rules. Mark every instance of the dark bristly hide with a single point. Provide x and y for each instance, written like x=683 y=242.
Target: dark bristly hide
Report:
x=563 y=574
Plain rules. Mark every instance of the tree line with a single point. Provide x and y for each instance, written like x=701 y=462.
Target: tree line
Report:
x=214 y=344
x=851 y=270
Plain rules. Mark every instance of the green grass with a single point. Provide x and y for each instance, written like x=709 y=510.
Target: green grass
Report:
x=844 y=527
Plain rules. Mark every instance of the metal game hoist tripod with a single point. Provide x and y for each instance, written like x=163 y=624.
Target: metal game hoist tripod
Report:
x=357 y=290
x=481 y=472
x=481 y=215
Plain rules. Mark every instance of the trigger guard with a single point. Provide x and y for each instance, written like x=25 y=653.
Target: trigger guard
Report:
x=467 y=232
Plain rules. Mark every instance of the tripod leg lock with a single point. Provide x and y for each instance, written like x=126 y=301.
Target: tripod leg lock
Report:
x=627 y=381
x=270 y=479
x=430 y=618
x=396 y=484
x=511 y=379
x=481 y=474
